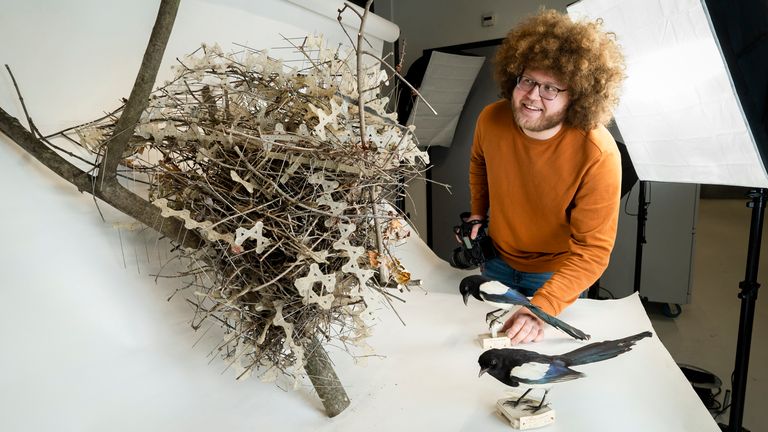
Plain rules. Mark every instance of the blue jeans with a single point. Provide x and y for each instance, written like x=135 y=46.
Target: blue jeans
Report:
x=524 y=282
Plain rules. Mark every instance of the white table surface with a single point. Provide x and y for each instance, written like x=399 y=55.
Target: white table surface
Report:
x=91 y=344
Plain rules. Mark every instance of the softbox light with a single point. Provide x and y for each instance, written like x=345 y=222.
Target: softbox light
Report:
x=446 y=85
x=693 y=106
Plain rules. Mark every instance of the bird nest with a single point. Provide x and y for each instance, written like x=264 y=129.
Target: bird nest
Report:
x=267 y=164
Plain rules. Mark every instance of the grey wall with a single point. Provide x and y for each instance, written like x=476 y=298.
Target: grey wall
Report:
x=434 y=23
x=667 y=260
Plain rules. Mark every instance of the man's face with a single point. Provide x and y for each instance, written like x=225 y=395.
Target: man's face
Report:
x=539 y=118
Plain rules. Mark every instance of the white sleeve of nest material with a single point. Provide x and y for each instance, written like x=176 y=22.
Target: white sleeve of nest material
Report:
x=189 y=223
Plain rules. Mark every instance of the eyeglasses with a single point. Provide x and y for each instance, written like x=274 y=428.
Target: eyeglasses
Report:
x=546 y=91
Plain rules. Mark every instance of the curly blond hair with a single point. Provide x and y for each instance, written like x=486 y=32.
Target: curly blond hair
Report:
x=586 y=59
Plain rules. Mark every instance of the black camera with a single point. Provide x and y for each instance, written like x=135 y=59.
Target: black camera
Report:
x=472 y=252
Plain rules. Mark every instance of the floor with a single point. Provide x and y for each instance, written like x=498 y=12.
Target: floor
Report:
x=705 y=333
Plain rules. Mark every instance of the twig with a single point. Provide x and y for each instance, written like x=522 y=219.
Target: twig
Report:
x=21 y=100
x=359 y=65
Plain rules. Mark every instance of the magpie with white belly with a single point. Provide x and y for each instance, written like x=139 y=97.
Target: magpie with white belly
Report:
x=516 y=366
x=504 y=298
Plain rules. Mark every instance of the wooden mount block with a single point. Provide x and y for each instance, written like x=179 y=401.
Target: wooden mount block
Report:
x=487 y=341
x=521 y=419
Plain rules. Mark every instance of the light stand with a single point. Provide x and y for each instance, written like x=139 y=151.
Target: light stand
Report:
x=642 y=216
x=748 y=296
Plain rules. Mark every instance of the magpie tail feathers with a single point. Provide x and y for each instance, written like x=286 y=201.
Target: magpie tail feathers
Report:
x=558 y=324
x=600 y=351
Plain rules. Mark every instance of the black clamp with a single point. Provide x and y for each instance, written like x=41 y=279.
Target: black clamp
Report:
x=748 y=289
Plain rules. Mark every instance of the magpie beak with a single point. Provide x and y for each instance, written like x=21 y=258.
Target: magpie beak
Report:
x=482 y=371
x=466 y=297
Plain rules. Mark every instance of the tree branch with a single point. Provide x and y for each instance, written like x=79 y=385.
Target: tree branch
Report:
x=142 y=87
x=324 y=379
x=113 y=194
x=360 y=101
x=13 y=129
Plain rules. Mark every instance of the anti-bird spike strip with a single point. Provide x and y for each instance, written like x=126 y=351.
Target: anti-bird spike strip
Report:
x=265 y=162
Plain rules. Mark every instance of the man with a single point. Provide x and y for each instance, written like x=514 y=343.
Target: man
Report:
x=544 y=169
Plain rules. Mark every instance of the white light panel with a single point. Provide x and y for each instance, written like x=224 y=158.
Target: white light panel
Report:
x=679 y=113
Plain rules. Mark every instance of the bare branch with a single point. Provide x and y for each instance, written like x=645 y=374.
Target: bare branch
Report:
x=360 y=102
x=21 y=100
x=11 y=127
x=142 y=87
x=327 y=385
x=116 y=196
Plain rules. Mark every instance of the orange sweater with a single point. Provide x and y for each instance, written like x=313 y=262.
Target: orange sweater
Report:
x=553 y=203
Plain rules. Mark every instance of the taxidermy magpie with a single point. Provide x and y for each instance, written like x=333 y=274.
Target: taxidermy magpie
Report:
x=516 y=366
x=504 y=298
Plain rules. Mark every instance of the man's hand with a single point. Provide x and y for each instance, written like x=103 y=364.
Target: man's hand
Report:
x=476 y=227
x=523 y=327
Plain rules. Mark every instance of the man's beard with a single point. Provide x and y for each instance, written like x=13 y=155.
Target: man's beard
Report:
x=542 y=123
